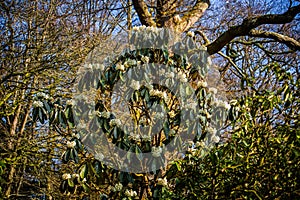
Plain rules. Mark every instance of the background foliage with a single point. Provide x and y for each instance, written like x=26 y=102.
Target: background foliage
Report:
x=44 y=43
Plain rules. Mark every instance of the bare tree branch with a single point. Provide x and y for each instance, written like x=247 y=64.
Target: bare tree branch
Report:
x=249 y=24
x=290 y=42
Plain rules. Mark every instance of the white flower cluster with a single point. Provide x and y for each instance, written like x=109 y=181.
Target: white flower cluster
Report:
x=146 y=138
x=233 y=102
x=70 y=103
x=172 y=114
x=156 y=151
x=226 y=137
x=162 y=71
x=37 y=104
x=159 y=115
x=130 y=62
x=177 y=19
x=202 y=84
x=215 y=138
x=220 y=103
x=200 y=144
x=76 y=135
x=118 y=187
x=134 y=137
x=190 y=34
x=99 y=66
x=130 y=193
x=190 y=105
x=144 y=121
x=170 y=74
x=213 y=90
x=145 y=59
x=135 y=85
x=71 y=144
x=162 y=181
x=81 y=125
x=172 y=132
x=66 y=176
x=105 y=115
x=160 y=94
x=88 y=67
x=99 y=156
x=43 y=95
x=115 y=122
x=146 y=29
x=182 y=77
x=120 y=67
x=211 y=130
x=75 y=175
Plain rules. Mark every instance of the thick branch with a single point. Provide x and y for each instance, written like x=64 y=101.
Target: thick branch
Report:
x=290 y=42
x=181 y=24
x=144 y=15
x=191 y=17
x=249 y=24
x=166 y=9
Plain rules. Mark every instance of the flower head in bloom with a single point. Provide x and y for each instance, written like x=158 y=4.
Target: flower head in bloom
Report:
x=162 y=71
x=202 y=84
x=42 y=95
x=200 y=144
x=134 y=137
x=211 y=130
x=118 y=187
x=135 y=28
x=170 y=74
x=70 y=103
x=162 y=181
x=161 y=94
x=191 y=105
x=172 y=114
x=190 y=34
x=215 y=138
x=115 y=122
x=99 y=156
x=182 y=77
x=223 y=104
x=130 y=193
x=233 y=102
x=159 y=115
x=105 y=115
x=66 y=176
x=120 y=67
x=177 y=19
x=135 y=85
x=71 y=144
x=100 y=67
x=37 y=104
x=75 y=175
x=145 y=59
x=156 y=151
x=81 y=126
x=226 y=105
x=88 y=67
x=146 y=138
x=213 y=90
